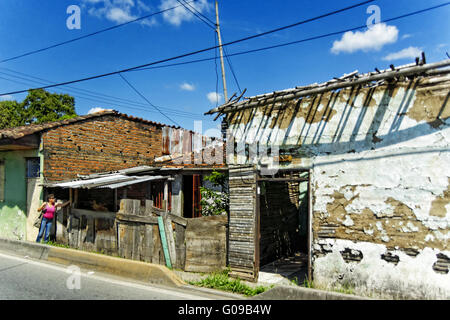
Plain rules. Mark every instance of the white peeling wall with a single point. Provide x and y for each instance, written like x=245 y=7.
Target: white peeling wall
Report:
x=380 y=162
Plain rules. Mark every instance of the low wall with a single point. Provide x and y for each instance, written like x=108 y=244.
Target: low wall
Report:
x=198 y=244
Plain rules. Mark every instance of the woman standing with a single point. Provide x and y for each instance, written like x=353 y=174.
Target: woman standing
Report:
x=48 y=209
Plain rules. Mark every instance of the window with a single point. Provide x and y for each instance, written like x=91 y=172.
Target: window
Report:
x=33 y=167
x=2 y=181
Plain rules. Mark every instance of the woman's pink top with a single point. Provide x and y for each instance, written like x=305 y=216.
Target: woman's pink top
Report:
x=50 y=213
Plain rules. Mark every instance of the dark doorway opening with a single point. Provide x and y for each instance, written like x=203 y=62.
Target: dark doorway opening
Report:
x=192 y=196
x=187 y=197
x=284 y=225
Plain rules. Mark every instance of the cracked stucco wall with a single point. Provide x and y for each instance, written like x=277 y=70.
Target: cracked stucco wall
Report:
x=380 y=181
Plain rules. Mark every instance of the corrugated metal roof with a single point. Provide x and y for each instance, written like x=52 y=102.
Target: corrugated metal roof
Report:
x=137 y=180
x=89 y=183
x=112 y=181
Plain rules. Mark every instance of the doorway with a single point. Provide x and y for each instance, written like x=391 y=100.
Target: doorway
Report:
x=284 y=226
x=192 y=196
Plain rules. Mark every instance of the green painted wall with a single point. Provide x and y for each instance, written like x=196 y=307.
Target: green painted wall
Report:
x=13 y=210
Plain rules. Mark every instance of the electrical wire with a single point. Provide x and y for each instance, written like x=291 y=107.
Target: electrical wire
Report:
x=195 y=52
x=90 y=93
x=213 y=26
x=292 y=42
x=227 y=56
x=151 y=104
x=88 y=35
x=195 y=14
x=198 y=12
x=173 y=113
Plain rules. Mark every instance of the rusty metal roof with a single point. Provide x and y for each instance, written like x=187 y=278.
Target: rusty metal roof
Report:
x=20 y=132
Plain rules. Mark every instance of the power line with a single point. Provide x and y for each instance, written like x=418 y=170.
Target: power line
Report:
x=173 y=113
x=197 y=51
x=195 y=14
x=198 y=12
x=89 y=93
x=293 y=42
x=227 y=56
x=143 y=97
x=213 y=25
x=88 y=35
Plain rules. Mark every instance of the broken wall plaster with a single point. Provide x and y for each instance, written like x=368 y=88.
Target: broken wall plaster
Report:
x=404 y=276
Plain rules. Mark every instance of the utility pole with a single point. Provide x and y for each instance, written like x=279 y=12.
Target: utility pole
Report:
x=225 y=92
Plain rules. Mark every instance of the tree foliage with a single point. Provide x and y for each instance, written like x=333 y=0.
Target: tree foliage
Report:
x=11 y=114
x=39 y=106
x=215 y=202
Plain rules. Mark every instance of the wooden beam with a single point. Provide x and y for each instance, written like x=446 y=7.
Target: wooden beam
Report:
x=135 y=218
x=93 y=214
x=416 y=70
x=179 y=220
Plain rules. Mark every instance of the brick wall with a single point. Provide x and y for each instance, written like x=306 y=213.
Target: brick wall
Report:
x=98 y=145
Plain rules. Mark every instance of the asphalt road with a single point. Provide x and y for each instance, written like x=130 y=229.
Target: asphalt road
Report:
x=24 y=279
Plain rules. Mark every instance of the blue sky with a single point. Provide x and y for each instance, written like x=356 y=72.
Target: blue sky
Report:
x=27 y=25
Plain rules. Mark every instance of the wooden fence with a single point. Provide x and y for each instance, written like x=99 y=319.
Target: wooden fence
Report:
x=149 y=234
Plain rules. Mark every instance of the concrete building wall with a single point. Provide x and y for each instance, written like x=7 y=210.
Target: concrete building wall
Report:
x=380 y=181
x=13 y=210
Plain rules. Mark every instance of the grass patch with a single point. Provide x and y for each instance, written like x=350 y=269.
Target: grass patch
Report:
x=221 y=281
x=56 y=244
x=345 y=288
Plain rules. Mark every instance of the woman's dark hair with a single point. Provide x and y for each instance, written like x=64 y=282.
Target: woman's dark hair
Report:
x=51 y=196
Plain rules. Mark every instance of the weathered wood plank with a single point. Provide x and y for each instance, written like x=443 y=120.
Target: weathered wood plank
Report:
x=162 y=233
x=136 y=218
x=180 y=220
x=170 y=238
x=93 y=214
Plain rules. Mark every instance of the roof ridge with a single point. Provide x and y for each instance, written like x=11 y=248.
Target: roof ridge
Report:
x=21 y=131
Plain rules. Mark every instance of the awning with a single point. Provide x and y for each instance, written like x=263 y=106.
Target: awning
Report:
x=112 y=182
x=137 y=180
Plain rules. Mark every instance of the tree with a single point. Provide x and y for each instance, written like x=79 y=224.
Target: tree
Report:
x=11 y=114
x=42 y=106
x=214 y=202
x=39 y=106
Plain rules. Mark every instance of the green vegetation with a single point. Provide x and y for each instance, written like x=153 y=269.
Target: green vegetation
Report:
x=57 y=244
x=221 y=281
x=39 y=106
x=345 y=288
x=308 y=284
x=215 y=203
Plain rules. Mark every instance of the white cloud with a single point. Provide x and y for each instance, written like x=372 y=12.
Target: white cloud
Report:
x=372 y=39
x=119 y=11
x=406 y=36
x=180 y=14
x=187 y=86
x=6 y=98
x=97 y=109
x=407 y=53
x=214 y=97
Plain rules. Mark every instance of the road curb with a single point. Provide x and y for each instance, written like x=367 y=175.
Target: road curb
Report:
x=300 y=293
x=137 y=270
